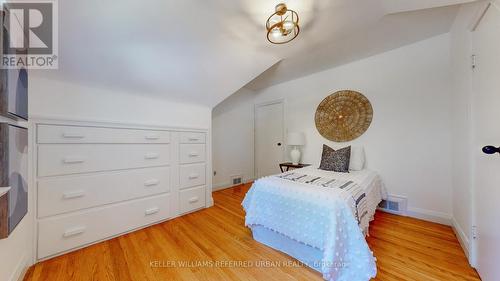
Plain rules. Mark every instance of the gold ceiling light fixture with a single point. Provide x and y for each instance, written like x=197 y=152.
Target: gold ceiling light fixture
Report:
x=282 y=26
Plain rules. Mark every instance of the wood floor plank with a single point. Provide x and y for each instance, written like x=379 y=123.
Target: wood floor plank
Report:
x=405 y=248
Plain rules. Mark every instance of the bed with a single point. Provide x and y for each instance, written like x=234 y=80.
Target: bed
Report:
x=318 y=217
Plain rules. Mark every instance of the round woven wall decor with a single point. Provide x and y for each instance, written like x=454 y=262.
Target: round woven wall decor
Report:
x=344 y=116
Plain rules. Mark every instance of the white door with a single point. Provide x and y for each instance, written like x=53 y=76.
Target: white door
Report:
x=486 y=108
x=268 y=138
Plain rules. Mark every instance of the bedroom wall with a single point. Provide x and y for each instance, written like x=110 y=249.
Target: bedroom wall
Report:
x=63 y=100
x=409 y=140
x=232 y=130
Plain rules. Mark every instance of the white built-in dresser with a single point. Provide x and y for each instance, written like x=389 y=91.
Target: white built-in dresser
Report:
x=95 y=181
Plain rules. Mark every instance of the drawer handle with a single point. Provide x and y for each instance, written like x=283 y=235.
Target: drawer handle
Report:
x=74 y=194
x=152 y=211
x=151 y=182
x=72 y=136
x=150 y=156
x=194 y=154
x=152 y=137
x=74 y=231
x=194 y=139
x=193 y=176
x=71 y=160
x=194 y=199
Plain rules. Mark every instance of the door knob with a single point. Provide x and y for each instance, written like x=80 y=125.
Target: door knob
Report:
x=489 y=149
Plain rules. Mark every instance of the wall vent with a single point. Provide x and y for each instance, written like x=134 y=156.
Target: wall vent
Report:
x=236 y=180
x=394 y=204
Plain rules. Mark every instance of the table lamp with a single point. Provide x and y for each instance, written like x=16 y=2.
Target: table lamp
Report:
x=295 y=140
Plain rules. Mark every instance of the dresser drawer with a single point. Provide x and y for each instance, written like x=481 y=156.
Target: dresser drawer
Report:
x=57 y=195
x=63 y=233
x=192 y=199
x=192 y=153
x=80 y=134
x=192 y=175
x=64 y=159
x=192 y=137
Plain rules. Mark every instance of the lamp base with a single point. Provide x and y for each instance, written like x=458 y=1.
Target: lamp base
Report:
x=295 y=156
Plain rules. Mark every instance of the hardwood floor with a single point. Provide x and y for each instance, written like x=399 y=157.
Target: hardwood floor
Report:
x=202 y=245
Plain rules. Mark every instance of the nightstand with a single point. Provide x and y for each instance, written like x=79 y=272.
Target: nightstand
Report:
x=289 y=165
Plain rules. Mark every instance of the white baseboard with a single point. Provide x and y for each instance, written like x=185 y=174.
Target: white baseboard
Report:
x=428 y=215
x=220 y=186
x=462 y=237
x=20 y=270
x=224 y=185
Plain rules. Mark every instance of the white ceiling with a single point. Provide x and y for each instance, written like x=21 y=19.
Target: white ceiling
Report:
x=203 y=51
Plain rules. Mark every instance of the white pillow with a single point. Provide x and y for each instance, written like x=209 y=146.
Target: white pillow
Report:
x=357 y=161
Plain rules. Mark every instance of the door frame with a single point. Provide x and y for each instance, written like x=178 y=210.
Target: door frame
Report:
x=473 y=245
x=281 y=101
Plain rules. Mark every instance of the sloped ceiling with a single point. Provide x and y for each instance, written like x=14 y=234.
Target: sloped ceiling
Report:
x=202 y=51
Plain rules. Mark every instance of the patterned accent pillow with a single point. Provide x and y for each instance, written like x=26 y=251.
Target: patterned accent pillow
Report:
x=337 y=161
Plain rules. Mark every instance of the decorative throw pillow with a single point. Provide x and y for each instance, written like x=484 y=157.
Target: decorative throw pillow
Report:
x=337 y=161
x=357 y=162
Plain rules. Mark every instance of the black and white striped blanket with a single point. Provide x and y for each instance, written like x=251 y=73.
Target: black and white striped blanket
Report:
x=349 y=190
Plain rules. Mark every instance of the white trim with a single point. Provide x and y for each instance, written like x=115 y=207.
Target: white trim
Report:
x=473 y=243
x=32 y=204
x=225 y=185
x=209 y=167
x=61 y=120
x=280 y=100
x=482 y=10
x=480 y=15
x=16 y=122
x=429 y=215
x=4 y=190
x=220 y=186
x=20 y=270
x=462 y=237
x=422 y=214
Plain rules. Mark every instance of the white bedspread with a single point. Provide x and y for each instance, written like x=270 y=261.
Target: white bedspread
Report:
x=318 y=217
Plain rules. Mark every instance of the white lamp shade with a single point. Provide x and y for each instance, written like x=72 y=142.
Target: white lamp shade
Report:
x=296 y=139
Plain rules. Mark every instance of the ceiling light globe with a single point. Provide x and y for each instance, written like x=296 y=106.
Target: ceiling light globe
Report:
x=289 y=25
x=276 y=33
